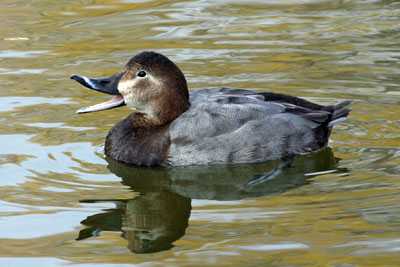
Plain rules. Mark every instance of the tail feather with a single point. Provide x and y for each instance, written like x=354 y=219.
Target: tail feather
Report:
x=339 y=112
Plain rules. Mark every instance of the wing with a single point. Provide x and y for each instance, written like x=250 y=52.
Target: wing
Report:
x=227 y=125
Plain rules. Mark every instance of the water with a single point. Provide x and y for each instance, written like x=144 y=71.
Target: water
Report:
x=63 y=203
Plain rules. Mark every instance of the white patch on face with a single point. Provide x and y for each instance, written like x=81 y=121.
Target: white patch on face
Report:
x=137 y=98
x=125 y=87
x=133 y=98
x=156 y=83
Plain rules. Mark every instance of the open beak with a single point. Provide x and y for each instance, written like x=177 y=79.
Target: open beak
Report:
x=106 y=85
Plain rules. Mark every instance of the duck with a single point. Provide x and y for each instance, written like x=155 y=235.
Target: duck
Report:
x=171 y=126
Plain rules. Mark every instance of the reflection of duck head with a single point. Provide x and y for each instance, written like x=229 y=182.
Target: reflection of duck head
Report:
x=150 y=222
x=153 y=221
x=159 y=215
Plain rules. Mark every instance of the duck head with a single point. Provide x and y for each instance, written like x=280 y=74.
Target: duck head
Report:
x=150 y=83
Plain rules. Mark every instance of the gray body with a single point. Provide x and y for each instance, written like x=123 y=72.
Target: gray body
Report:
x=227 y=125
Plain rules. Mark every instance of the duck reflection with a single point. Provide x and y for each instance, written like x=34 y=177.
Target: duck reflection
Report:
x=150 y=222
x=159 y=215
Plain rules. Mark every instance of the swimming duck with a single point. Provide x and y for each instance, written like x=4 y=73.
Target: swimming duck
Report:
x=206 y=126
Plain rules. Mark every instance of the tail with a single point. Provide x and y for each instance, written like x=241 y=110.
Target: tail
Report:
x=339 y=112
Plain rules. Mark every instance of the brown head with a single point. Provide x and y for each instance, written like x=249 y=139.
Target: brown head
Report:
x=149 y=83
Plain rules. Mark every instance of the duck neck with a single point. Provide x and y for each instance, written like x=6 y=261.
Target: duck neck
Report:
x=143 y=138
x=138 y=140
x=162 y=111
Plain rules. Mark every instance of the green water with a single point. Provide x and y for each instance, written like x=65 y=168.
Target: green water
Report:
x=62 y=202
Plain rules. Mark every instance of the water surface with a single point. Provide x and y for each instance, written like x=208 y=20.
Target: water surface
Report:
x=62 y=202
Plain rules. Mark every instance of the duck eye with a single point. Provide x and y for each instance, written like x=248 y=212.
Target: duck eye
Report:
x=141 y=73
